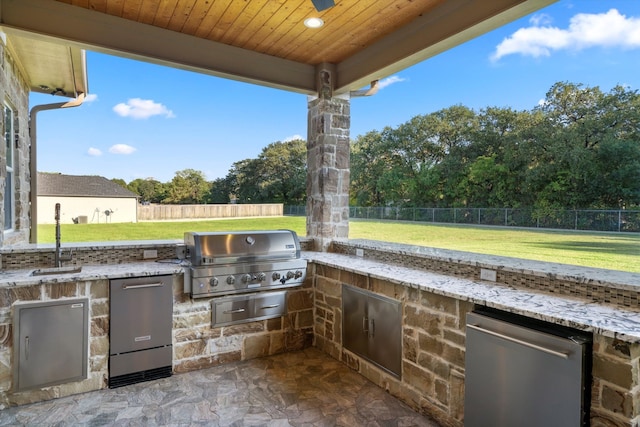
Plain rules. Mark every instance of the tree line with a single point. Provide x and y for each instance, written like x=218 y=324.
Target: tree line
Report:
x=579 y=149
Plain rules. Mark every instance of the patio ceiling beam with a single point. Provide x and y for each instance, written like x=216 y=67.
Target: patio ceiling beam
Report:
x=99 y=32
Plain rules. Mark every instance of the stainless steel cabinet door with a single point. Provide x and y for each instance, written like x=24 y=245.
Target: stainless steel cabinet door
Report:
x=385 y=333
x=372 y=328
x=140 y=313
x=51 y=343
x=355 y=335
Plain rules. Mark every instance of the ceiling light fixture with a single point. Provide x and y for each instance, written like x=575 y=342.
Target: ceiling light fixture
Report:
x=313 y=22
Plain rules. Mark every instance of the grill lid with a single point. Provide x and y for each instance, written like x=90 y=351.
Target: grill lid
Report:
x=215 y=248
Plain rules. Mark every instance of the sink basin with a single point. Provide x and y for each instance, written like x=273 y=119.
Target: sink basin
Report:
x=57 y=270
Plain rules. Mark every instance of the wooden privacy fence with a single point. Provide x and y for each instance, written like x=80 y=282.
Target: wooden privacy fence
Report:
x=177 y=212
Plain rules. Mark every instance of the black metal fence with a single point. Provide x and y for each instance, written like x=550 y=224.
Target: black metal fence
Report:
x=567 y=219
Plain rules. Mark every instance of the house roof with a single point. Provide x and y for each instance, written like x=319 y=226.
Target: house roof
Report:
x=265 y=41
x=57 y=184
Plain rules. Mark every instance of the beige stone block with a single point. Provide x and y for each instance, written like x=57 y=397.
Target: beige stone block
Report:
x=21 y=293
x=409 y=348
x=299 y=300
x=277 y=344
x=99 y=307
x=441 y=389
x=430 y=343
x=99 y=289
x=600 y=418
x=454 y=336
x=371 y=373
x=305 y=319
x=434 y=364
x=453 y=355
x=243 y=328
x=275 y=324
x=191 y=319
x=99 y=364
x=99 y=326
x=456 y=395
x=32 y=396
x=61 y=290
x=255 y=346
x=615 y=371
x=190 y=349
x=94 y=382
x=99 y=346
x=329 y=287
x=225 y=344
x=418 y=378
x=617 y=401
x=439 y=302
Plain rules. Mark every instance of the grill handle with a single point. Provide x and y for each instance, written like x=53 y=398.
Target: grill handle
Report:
x=237 y=310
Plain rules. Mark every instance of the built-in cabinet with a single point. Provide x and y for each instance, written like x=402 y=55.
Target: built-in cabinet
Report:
x=372 y=328
x=50 y=343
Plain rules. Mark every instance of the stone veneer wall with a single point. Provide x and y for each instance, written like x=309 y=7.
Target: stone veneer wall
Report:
x=596 y=292
x=98 y=294
x=15 y=91
x=198 y=345
x=434 y=352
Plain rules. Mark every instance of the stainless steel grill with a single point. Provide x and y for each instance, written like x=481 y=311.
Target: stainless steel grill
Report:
x=224 y=263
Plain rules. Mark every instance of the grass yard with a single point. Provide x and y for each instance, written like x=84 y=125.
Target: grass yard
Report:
x=616 y=251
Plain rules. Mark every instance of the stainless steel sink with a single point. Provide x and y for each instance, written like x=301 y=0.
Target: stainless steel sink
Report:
x=57 y=270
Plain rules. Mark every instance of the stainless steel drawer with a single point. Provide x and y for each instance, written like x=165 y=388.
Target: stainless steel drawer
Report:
x=231 y=310
x=248 y=308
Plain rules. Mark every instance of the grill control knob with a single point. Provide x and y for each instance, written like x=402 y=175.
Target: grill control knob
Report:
x=213 y=281
x=231 y=280
x=246 y=278
x=298 y=274
x=275 y=276
x=261 y=277
x=290 y=275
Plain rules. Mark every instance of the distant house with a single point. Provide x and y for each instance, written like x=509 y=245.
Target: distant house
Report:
x=84 y=198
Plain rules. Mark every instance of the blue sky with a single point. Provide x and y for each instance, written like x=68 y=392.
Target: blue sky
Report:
x=147 y=121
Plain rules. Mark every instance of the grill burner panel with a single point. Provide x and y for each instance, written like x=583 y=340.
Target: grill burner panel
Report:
x=240 y=262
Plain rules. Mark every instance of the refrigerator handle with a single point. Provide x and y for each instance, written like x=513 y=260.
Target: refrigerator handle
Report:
x=563 y=355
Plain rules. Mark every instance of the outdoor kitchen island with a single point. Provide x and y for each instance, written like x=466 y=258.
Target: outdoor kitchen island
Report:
x=436 y=288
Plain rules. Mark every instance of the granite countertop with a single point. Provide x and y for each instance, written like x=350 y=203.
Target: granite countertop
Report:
x=575 y=273
x=601 y=319
x=24 y=277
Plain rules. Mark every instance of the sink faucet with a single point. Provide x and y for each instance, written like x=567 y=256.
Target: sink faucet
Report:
x=59 y=256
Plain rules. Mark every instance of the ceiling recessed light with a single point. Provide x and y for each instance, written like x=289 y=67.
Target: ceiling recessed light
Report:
x=313 y=22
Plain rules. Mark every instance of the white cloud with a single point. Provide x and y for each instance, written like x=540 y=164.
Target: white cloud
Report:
x=91 y=97
x=142 y=109
x=610 y=29
x=293 y=138
x=94 y=152
x=389 y=81
x=121 y=149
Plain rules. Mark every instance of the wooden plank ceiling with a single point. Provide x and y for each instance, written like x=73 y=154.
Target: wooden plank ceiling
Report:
x=266 y=41
x=273 y=27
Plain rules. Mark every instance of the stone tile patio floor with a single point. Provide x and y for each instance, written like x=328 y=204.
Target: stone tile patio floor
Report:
x=303 y=388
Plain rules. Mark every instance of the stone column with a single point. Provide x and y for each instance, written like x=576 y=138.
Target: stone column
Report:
x=327 y=164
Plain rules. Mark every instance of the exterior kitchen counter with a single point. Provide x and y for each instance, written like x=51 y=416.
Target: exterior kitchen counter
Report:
x=23 y=277
x=603 y=319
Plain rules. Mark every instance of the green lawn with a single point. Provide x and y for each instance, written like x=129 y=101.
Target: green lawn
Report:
x=616 y=251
